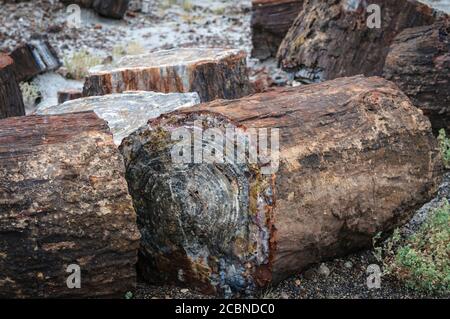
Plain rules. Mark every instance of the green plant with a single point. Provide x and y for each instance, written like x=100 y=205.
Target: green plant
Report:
x=422 y=261
x=444 y=145
x=30 y=93
x=79 y=64
x=129 y=295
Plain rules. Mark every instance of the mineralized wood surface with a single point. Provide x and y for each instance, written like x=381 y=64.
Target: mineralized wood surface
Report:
x=34 y=58
x=271 y=20
x=11 y=103
x=419 y=63
x=128 y=111
x=68 y=95
x=63 y=201
x=330 y=38
x=212 y=73
x=355 y=158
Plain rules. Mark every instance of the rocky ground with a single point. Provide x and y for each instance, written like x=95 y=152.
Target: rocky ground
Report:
x=203 y=23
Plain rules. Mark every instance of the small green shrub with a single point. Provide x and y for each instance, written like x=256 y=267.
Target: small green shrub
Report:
x=444 y=145
x=79 y=64
x=421 y=261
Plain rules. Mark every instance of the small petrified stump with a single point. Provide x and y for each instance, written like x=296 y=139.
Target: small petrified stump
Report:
x=355 y=158
x=330 y=38
x=115 y=9
x=271 y=20
x=419 y=63
x=212 y=73
x=128 y=111
x=34 y=58
x=64 y=201
x=11 y=102
x=69 y=95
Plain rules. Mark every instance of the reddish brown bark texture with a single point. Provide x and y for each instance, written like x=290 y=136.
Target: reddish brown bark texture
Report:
x=330 y=38
x=271 y=20
x=63 y=201
x=11 y=103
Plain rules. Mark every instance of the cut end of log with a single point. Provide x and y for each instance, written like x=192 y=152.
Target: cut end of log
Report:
x=212 y=73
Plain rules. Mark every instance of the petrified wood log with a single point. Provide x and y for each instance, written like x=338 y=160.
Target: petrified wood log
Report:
x=34 y=58
x=332 y=38
x=63 y=201
x=212 y=73
x=271 y=20
x=115 y=9
x=126 y=112
x=69 y=95
x=11 y=102
x=355 y=158
x=419 y=63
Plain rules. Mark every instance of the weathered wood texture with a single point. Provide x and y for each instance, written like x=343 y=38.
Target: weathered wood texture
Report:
x=69 y=95
x=212 y=73
x=64 y=200
x=126 y=112
x=109 y=8
x=356 y=158
x=330 y=38
x=34 y=58
x=271 y=20
x=11 y=103
x=419 y=63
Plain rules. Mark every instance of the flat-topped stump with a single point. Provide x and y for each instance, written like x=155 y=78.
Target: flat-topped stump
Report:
x=212 y=73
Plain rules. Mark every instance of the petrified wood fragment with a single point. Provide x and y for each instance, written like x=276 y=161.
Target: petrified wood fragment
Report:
x=355 y=158
x=63 y=201
x=332 y=38
x=128 y=111
x=34 y=58
x=271 y=20
x=11 y=102
x=419 y=63
x=69 y=95
x=212 y=73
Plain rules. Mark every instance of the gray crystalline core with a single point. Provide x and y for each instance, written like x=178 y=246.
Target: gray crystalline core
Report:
x=128 y=111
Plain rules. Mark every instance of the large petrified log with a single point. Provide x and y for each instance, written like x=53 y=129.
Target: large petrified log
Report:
x=212 y=73
x=271 y=20
x=64 y=201
x=11 y=102
x=332 y=38
x=34 y=58
x=126 y=112
x=355 y=158
x=419 y=63
x=109 y=8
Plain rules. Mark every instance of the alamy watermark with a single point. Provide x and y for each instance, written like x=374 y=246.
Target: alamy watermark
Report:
x=197 y=145
x=74 y=279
